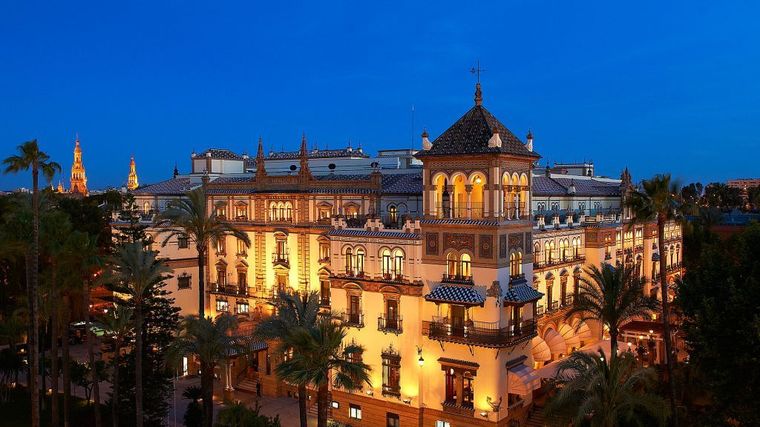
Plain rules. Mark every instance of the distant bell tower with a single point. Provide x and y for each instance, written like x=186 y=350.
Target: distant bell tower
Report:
x=132 y=180
x=78 y=176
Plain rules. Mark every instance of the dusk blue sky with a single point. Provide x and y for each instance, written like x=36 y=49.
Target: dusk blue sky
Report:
x=662 y=86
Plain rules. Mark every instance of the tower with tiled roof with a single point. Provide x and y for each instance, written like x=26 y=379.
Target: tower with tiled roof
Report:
x=78 y=175
x=132 y=179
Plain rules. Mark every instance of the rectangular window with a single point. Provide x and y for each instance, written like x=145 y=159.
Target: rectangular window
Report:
x=242 y=308
x=441 y=423
x=220 y=246
x=335 y=404
x=241 y=247
x=391 y=375
x=182 y=242
x=222 y=306
x=392 y=420
x=183 y=282
x=354 y=411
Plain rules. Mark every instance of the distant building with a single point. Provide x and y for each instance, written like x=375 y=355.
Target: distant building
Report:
x=743 y=183
x=132 y=182
x=78 y=175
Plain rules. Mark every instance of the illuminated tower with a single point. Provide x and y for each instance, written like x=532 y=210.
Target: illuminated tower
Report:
x=78 y=176
x=132 y=180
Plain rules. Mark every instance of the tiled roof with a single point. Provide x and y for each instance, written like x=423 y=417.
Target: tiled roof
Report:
x=470 y=134
x=366 y=233
x=341 y=190
x=553 y=186
x=408 y=183
x=220 y=153
x=454 y=221
x=317 y=154
x=233 y=179
x=466 y=295
x=174 y=186
x=521 y=292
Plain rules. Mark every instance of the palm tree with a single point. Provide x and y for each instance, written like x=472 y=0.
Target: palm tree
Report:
x=136 y=272
x=658 y=200
x=292 y=311
x=318 y=352
x=600 y=394
x=210 y=340
x=612 y=295
x=117 y=324
x=30 y=157
x=188 y=218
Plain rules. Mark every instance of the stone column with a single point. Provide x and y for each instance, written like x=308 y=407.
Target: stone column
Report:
x=468 y=189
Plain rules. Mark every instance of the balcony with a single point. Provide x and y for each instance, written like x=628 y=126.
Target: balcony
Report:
x=572 y=259
x=241 y=218
x=355 y=273
x=324 y=260
x=229 y=289
x=457 y=278
x=393 y=325
x=465 y=408
x=568 y=300
x=484 y=334
x=281 y=259
x=553 y=306
x=355 y=320
x=540 y=310
x=673 y=267
x=392 y=277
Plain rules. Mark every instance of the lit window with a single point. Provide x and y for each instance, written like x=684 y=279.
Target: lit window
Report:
x=222 y=306
x=392 y=420
x=335 y=404
x=387 y=265
x=220 y=245
x=354 y=411
x=391 y=374
x=465 y=265
x=440 y=423
x=515 y=263
x=241 y=247
x=242 y=307
x=398 y=262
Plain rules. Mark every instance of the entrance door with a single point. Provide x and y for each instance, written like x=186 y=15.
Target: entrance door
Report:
x=457 y=320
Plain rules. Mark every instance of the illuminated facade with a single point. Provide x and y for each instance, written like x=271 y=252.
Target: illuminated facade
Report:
x=132 y=182
x=78 y=184
x=453 y=268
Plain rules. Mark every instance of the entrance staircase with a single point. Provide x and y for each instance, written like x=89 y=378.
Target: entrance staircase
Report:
x=536 y=418
x=247 y=385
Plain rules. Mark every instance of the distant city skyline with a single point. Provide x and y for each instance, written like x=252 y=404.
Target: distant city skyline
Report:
x=659 y=88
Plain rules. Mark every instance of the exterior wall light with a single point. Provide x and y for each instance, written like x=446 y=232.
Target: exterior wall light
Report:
x=420 y=361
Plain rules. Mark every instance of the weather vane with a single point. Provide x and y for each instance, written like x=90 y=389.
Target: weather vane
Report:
x=477 y=70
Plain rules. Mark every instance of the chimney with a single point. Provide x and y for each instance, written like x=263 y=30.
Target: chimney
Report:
x=529 y=139
x=495 y=141
x=426 y=145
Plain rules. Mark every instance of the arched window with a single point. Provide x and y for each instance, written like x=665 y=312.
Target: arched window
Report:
x=392 y=214
x=563 y=249
x=288 y=211
x=360 y=261
x=349 y=260
x=281 y=211
x=537 y=251
x=515 y=263
x=146 y=208
x=576 y=247
x=398 y=263
x=221 y=274
x=273 y=211
x=677 y=252
x=465 y=266
x=451 y=265
x=387 y=263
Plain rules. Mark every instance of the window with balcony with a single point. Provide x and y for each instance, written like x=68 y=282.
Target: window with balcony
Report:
x=242 y=277
x=221 y=275
x=458 y=267
x=222 y=306
x=349 y=256
x=241 y=211
x=354 y=315
x=220 y=210
x=459 y=389
x=390 y=320
x=391 y=372
x=387 y=264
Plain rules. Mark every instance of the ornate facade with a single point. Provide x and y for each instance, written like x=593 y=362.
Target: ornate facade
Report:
x=132 y=182
x=454 y=274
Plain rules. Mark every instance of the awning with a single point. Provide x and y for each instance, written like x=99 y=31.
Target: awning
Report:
x=522 y=380
x=555 y=342
x=583 y=332
x=540 y=350
x=464 y=295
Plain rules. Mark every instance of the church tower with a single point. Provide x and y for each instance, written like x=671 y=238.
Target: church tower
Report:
x=132 y=180
x=78 y=176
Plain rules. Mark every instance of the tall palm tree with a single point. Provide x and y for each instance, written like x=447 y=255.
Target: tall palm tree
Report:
x=117 y=324
x=210 y=340
x=658 y=199
x=319 y=352
x=136 y=272
x=30 y=157
x=591 y=391
x=291 y=311
x=188 y=217
x=612 y=295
